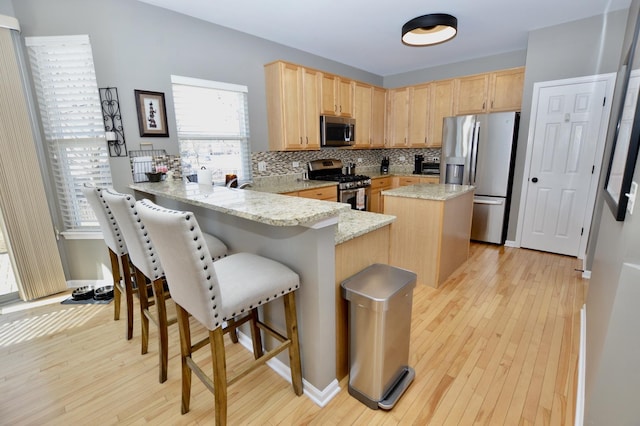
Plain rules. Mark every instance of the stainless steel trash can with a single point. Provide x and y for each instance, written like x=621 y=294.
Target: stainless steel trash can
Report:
x=380 y=298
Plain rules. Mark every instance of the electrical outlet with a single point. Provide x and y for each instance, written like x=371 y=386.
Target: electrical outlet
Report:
x=262 y=166
x=295 y=164
x=359 y=160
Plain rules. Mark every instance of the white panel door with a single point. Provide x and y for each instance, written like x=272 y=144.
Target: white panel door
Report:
x=562 y=160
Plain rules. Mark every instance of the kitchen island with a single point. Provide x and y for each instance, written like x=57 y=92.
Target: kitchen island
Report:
x=304 y=234
x=432 y=230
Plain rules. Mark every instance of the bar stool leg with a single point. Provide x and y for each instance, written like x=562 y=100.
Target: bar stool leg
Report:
x=141 y=280
x=219 y=375
x=115 y=272
x=185 y=353
x=294 y=349
x=255 y=334
x=163 y=340
x=128 y=293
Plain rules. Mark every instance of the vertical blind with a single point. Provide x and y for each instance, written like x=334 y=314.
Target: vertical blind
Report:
x=213 y=113
x=23 y=200
x=73 y=127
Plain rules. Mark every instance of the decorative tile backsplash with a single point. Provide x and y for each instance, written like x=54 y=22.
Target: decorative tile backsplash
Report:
x=282 y=162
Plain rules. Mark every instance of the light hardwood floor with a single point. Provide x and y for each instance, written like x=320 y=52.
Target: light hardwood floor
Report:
x=496 y=344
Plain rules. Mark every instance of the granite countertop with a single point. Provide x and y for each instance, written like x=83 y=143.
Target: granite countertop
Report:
x=354 y=223
x=282 y=186
x=268 y=208
x=263 y=207
x=426 y=191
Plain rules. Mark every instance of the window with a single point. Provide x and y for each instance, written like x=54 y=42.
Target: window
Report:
x=73 y=127
x=213 y=127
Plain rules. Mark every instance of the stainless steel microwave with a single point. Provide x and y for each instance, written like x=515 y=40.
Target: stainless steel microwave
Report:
x=337 y=131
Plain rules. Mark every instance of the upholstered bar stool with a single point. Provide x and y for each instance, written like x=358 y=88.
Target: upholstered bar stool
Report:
x=118 y=254
x=217 y=292
x=147 y=267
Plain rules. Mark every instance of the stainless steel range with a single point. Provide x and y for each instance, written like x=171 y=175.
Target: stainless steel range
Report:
x=352 y=188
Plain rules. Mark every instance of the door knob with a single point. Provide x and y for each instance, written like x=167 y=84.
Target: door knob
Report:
x=534 y=180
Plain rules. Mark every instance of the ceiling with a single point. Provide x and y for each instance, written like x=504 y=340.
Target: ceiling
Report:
x=366 y=33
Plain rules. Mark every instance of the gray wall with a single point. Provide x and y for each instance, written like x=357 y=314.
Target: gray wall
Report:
x=575 y=49
x=459 y=69
x=6 y=8
x=612 y=377
x=586 y=47
x=138 y=46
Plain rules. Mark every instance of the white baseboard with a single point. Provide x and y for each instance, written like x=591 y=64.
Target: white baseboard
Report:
x=319 y=397
x=586 y=275
x=579 y=419
x=510 y=243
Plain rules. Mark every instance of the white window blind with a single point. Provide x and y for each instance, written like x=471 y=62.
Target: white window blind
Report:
x=69 y=104
x=213 y=127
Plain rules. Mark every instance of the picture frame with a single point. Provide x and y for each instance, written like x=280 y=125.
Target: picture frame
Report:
x=627 y=134
x=152 y=113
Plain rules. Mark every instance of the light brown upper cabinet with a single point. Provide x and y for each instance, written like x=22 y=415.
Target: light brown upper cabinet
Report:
x=489 y=92
x=409 y=116
x=397 y=117
x=337 y=96
x=505 y=90
x=404 y=117
x=292 y=107
x=471 y=94
x=378 y=117
x=419 y=100
x=369 y=112
x=441 y=106
x=362 y=112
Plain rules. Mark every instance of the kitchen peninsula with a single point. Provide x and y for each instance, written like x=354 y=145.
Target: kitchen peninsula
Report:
x=305 y=234
x=432 y=231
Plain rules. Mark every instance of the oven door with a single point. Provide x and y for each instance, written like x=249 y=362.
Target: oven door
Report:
x=357 y=198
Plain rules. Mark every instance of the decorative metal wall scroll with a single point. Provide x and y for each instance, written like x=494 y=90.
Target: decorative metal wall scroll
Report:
x=113 y=121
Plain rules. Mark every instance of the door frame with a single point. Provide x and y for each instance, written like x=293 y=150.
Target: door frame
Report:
x=609 y=79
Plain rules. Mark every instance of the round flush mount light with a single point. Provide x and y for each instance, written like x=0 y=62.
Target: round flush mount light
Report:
x=430 y=29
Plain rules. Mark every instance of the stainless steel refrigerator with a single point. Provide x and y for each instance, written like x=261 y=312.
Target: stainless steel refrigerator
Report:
x=480 y=150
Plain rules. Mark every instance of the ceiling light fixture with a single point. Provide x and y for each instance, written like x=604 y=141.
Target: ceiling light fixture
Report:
x=428 y=30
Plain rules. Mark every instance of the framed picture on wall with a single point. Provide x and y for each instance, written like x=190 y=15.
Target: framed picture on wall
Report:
x=627 y=136
x=152 y=113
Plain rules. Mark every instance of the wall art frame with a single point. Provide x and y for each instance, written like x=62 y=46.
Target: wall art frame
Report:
x=152 y=113
x=627 y=134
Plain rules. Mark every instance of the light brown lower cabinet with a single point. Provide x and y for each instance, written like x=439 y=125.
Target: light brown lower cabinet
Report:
x=326 y=193
x=430 y=237
x=351 y=257
x=376 y=200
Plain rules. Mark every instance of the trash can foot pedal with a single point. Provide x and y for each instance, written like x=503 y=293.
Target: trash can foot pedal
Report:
x=396 y=392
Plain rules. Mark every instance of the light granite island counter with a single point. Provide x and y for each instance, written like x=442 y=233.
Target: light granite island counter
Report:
x=304 y=234
x=432 y=231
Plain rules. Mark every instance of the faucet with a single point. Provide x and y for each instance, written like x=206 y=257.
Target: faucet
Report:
x=235 y=181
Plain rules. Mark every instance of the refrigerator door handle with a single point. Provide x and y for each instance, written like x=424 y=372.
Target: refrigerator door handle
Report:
x=491 y=203
x=474 y=153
